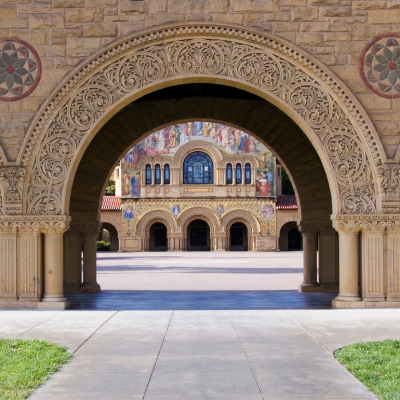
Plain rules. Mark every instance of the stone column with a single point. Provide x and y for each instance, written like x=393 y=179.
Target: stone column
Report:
x=90 y=231
x=72 y=259
x=310 y=241
x=327 y=258
x=8 y=262
x=349 y=293
x=53 y=267
x=393 y=261
x=373 y=285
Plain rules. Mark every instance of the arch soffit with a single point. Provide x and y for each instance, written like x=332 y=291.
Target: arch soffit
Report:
x=342 y=124
x=246 y=217
x=144 y=223
x=198 y=212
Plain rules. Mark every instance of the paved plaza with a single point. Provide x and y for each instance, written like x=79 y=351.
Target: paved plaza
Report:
x=129 y=345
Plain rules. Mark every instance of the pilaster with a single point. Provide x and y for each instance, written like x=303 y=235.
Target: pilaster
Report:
x=393 y=261
x=328 y=258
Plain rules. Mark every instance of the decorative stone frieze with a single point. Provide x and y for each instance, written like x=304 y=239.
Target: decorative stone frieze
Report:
x=11 y=189
x=263 y=63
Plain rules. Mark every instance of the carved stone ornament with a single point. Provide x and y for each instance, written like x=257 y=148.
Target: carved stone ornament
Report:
x=11 y=188
x=389 y=187
x=85 y=228
x=267 y=64
x=34 y=224
x=314 y=227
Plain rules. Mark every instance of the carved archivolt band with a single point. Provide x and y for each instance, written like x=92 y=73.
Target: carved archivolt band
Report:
x=253 y=59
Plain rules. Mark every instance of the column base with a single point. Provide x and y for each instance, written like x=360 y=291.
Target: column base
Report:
x=52 y=305
x=309 y=287
x=90 y=288
x=348 y=297
x=72 y=288
x=330 y=287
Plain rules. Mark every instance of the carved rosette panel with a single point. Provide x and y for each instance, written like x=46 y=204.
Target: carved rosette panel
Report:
x=137 y=66
x=11 y=188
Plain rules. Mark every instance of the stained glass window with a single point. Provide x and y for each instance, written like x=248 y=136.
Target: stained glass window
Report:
x=148 y=174
x=238 y=174
x=229 y=174
x=198 y=168
x=247 y=176
x=158 y=175
x=167 y=178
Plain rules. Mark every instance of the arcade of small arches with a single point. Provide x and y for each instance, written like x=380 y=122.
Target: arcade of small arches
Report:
x=51 y=195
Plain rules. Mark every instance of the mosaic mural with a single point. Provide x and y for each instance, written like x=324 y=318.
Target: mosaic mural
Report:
x=226 y=139
x=263 y=210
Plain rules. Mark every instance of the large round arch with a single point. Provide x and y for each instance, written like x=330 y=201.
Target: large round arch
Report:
x=284 y=93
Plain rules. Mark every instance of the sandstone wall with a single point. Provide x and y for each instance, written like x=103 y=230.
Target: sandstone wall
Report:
x=64 y=32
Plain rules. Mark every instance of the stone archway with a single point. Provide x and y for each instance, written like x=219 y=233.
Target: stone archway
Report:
x=269 y=88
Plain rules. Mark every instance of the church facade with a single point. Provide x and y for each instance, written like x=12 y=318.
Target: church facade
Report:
x=200 y=186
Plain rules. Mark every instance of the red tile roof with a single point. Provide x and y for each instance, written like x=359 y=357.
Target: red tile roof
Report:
x=111 y=203
x=287 y=202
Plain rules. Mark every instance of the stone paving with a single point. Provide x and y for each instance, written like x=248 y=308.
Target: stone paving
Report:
x=202 y=355
x=154 y=353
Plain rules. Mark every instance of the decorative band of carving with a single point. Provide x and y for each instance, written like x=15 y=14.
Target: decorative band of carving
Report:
x=34 y=224
x=270 y=64
x=85 y=228
x=315 y=227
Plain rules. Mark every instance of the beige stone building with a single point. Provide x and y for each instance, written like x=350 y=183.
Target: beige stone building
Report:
x=82 y=81
x=200 y=186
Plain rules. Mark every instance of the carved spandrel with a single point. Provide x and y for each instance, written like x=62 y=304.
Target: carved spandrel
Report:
x=207 y=56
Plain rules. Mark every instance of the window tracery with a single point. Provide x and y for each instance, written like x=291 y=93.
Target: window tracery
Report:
x=198 y=169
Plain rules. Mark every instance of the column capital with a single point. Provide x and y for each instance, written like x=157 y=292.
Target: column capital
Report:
x=88 y=228
x=314 y=227
x=393 y=227
x=346 y=226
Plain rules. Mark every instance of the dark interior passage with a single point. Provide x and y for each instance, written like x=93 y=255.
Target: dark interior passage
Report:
x=294 y=239
x=158 y=237
x=198 y=236
x=238 y=235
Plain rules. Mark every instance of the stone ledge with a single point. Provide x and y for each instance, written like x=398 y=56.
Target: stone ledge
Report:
x=365 y=304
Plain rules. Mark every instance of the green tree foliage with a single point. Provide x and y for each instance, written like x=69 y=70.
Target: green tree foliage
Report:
x=110 y=188
x=287 y=187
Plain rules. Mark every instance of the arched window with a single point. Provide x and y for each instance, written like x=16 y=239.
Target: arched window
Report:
x=247 y=176
x=167 y=179
x=229 y=174
x=238 y=173
x=157 y=175
x=198 y=168
x=148 y=174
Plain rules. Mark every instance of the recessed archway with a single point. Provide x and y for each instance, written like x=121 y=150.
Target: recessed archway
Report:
x=198 y=236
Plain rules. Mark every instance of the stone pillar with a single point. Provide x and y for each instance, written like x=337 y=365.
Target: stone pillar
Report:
x=373 y=285
x=310 y=242
x=393 y=261
x=8 y=262
x=53 y=267
x=90 y=231
x=348 y=264
x=29 y=271
x=72 y=259
x=327 y=258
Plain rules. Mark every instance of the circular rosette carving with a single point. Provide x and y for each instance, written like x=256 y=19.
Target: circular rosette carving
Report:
x=44 y=202
x=55 y=156
x=314 y=105
x=138 y=69
x=260 y=68
x=88 y=105
x=197 y=57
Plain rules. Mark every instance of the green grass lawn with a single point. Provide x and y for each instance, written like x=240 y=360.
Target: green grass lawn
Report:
x=26 y=364
x=376 y=365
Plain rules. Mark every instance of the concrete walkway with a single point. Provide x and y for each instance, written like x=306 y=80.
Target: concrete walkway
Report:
x=210 y=355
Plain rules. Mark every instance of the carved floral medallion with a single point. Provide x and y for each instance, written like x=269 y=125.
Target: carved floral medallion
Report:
x=380 y=66
x=20 y=69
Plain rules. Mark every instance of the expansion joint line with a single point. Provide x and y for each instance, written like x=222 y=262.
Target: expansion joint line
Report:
x=247 y=358
x=309 y=334
x=94 y=333
x=158 y=355
x=41 y=322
